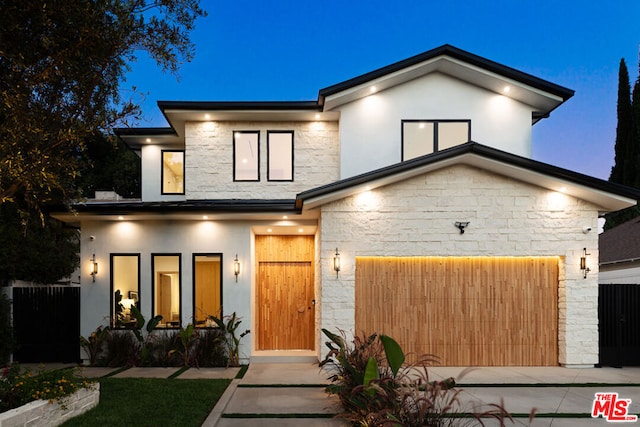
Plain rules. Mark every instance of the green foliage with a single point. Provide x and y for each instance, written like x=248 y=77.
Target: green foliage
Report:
x=60 y=74
x=35 y=249
x=19 y=386
x=376 y=387
x=152 y=402
x=188 y=341
x=7 y=341
x=93 y=345
x=229 y=325
x=623 y=166
x=110 y=166
x=120 y=347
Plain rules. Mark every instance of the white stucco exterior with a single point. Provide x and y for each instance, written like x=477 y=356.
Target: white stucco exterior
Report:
x=370 y=128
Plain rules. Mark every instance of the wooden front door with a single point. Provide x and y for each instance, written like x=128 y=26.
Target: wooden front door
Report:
x=285 y=309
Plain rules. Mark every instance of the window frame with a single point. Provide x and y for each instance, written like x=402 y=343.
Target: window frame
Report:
x=435 y=132
x=269 y=133
x=153 y=287
x=257 y=161
x=193 y=270
x=112 y=308
x=162 y=189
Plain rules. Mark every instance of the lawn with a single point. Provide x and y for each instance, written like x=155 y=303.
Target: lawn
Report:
x=152 y=402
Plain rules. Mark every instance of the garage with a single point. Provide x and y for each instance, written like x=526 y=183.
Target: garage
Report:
x=468 y=311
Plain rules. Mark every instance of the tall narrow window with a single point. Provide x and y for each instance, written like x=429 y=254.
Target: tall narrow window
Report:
x=207 y=283
x=125 y=288
x=172 y=172
x=421 y=137
x=280 y=155
x=246 y=156
x=166 y=289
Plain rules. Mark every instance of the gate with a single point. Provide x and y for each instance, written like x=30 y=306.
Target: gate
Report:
x=619 y=325
x=46 y=322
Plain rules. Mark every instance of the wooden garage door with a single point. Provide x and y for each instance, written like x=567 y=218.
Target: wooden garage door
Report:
x=468 y=311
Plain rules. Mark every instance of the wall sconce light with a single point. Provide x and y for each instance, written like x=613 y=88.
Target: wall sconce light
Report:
x=336 y=262
x=236 y=267
x=94 y=267
x=583 y=263
x=461 y=226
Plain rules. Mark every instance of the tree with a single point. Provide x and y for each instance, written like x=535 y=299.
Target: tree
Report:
x=626 y=168
x=32 y=250
x=110 y=166
x=61 y=66
x=624 y=131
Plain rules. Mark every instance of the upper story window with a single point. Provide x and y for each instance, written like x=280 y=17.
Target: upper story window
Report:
x=246 y=156
x=172 y=172
x=280 y=155
x=421 y=137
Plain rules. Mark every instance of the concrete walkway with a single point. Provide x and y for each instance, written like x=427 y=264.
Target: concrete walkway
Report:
x=296 y=391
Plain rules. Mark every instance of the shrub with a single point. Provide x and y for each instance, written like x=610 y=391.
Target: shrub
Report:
x=121 y=348
x=211 y=348
x=6 y=329
x=19 y=386
x=376 y=387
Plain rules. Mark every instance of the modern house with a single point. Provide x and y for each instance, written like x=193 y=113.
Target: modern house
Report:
x=403 y=201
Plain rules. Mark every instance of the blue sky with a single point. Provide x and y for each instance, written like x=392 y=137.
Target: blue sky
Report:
x=277 y=50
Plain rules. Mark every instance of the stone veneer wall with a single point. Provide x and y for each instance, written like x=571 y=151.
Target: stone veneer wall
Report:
x=41 y=413
x=209 y=159
x=507 y=218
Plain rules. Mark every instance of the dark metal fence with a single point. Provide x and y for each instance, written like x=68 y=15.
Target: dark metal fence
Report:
x=46 y=321
x=619 y=325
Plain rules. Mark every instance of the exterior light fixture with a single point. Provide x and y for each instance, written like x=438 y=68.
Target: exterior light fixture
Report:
x=583 y=263
x=461 y=226
x=236 y=267
x=94 y=267
x=336 y=263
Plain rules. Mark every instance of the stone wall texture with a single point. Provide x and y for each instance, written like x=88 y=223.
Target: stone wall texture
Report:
x=506 y=218
x=41 y=413
x=209 y=159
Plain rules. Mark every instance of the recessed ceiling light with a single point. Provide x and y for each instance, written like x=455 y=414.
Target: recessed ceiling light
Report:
x=372 y=89
x=269 y=230
x=207 y=116
x=507 y=89
x=148 y=140
x=285 y=217
x=120 y=217
x=205 y=217
x=300 y=230
x=563 y=189
x=317 y=116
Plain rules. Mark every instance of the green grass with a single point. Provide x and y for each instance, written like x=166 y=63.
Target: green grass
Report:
x=152 y=402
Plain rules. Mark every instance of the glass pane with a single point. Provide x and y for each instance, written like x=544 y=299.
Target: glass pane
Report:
x=125 y=288
x=451 y=134
x=246 y=156
x=207 y=295
x=280 y=156
x=173 y=172
x=166 y=289
x=417 y=139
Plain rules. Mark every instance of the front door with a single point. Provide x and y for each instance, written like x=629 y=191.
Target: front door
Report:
x=285 y=310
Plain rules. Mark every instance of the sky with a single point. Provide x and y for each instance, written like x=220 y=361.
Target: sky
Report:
x=287 y=50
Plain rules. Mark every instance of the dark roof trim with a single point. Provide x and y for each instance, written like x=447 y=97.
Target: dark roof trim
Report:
x=477 y=149
x=454 y=52
x=145 y=131
x=239 y=105
x=205 y=206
